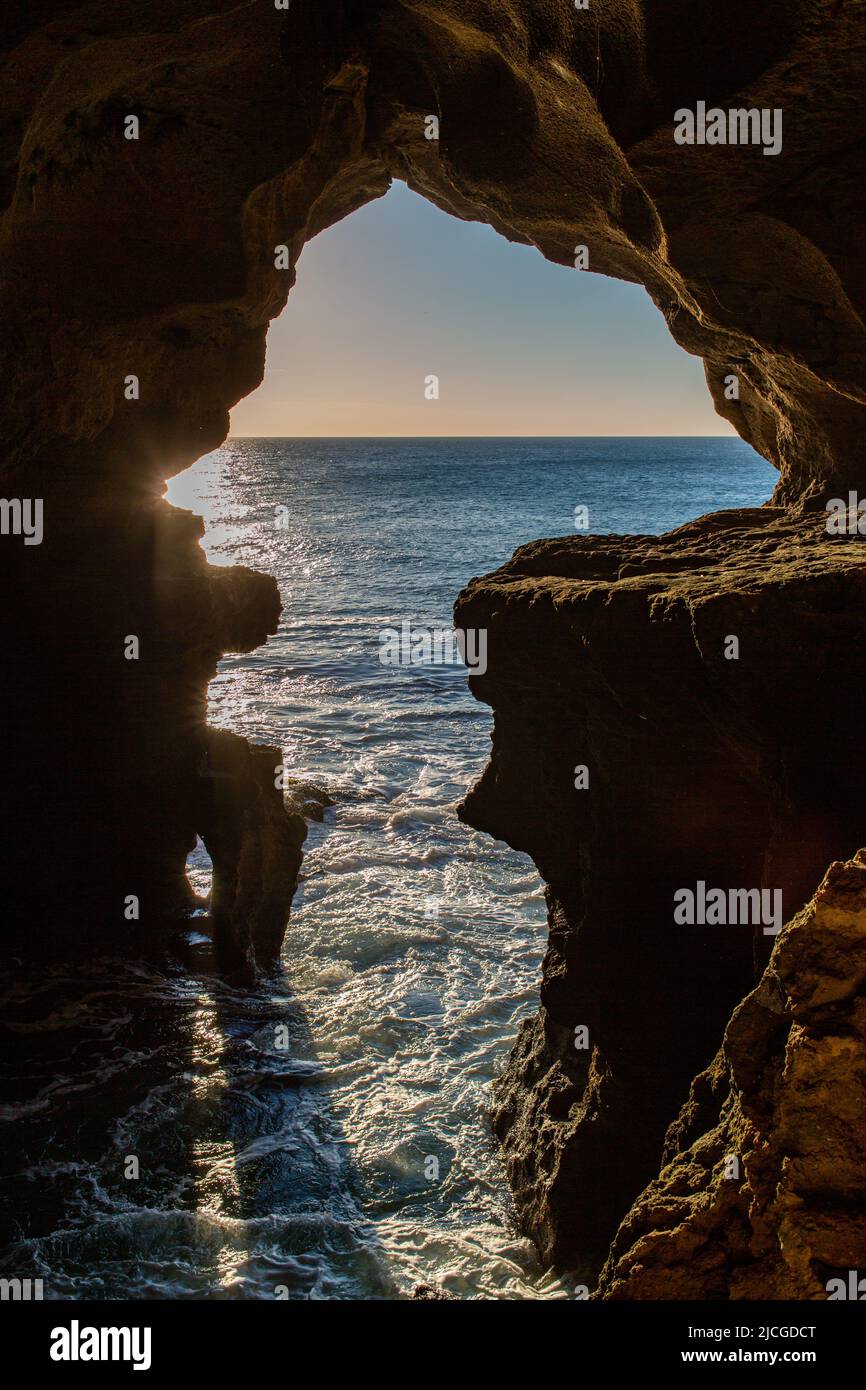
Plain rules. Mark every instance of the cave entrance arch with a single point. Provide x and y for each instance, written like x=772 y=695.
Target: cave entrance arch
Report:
x=260 y=127
x=252 y=493
x=646 y=392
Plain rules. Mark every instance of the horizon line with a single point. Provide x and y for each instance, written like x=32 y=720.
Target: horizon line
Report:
x=487 y=436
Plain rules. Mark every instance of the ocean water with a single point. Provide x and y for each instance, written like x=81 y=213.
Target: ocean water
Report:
x=356 y=1161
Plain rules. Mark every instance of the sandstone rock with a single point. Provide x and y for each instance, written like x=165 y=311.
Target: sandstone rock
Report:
x=155 y=258
x=609 y=653
x=786 y=1100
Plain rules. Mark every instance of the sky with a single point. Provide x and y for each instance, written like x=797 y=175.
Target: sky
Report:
x=400 y=291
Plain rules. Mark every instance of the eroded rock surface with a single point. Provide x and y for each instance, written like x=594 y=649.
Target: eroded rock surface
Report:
x=763 y=1189
x=154 y=259
x=609 y=654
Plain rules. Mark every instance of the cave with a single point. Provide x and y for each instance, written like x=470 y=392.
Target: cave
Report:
x=159 y=258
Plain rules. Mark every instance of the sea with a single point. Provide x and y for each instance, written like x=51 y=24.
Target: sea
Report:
x=325 y=1135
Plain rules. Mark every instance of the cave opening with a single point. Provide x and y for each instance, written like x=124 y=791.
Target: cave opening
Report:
x=199 y=869
x=163 y=172
x=410 y=930
x=401 y=286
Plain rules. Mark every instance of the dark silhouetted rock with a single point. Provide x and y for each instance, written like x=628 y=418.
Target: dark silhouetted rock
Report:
x=763 y=1189
x=155 y=259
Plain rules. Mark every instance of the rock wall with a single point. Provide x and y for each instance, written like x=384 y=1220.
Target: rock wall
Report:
x=632 y=759
x=137 y=280
x=762 y=1193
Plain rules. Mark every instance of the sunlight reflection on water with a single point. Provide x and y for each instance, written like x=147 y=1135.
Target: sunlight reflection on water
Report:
x=356 y=1161
x=414 y=1017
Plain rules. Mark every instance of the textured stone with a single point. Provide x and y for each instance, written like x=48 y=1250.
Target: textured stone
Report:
x=608 y=652
x=786 y=1098
x=155 y=258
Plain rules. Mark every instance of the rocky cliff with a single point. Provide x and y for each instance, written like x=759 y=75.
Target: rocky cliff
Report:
x=633 y=757
x=161 y=167
x=762 y=1190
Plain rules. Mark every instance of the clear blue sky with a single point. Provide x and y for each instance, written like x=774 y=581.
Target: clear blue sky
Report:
x=400 y=291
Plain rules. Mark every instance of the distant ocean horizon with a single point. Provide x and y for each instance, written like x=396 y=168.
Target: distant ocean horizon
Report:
x=358 y=1163
x=272 y=438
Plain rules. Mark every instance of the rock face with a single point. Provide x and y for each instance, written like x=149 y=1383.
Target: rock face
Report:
x=161 y=168
x=763 y=1189
x=609 y=654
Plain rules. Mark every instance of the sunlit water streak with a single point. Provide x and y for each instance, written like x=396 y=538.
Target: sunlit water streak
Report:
x=306 y=1171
